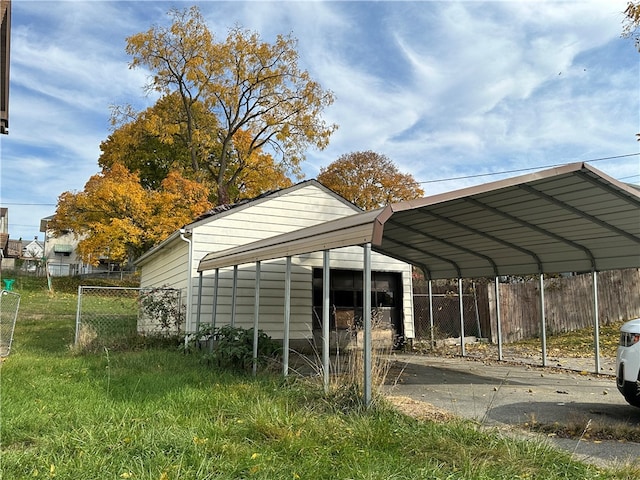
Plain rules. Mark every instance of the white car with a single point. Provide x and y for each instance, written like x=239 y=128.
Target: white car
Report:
x=628 y=362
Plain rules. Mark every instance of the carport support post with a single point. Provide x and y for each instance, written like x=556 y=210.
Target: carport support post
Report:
x=596 y=321
x=431 y=323
x=325 y=319
x=256 y=315
x=199 y=309
x=234 y=294
x=287 y=317
x=498 y=319
x=543 y=322
x=214 y=308
x=462 y=349
x=366 y=287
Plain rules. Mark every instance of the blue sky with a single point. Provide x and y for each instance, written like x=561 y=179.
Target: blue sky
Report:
x=444 y=89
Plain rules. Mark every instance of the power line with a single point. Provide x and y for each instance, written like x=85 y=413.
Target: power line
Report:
x=29 y=204
x=527 y=169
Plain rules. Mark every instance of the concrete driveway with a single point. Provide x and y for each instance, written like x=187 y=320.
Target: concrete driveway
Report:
x=500 y=394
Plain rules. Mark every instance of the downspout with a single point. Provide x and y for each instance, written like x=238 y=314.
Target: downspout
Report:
x=184 y=232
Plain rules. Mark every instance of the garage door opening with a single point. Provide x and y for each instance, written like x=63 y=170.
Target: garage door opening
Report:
x=346 y=300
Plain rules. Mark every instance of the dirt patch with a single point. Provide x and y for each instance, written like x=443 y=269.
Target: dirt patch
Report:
x=420 y=410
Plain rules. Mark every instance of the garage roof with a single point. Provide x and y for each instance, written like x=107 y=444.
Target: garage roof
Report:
x=572 y=218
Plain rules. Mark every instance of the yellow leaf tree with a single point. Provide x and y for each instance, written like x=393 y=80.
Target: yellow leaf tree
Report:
x=253 y=88
x=178 y=202
x=153 y=143
x=369 y=180
x=116 y=218
x=632 y=22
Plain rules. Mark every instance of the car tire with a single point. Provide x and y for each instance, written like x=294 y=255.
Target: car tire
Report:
x=631 y=393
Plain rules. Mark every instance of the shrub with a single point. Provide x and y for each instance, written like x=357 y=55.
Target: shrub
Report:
x=161 y=307
x=232 y=347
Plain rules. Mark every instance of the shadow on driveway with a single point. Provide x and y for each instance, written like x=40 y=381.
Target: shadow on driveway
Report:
x=500 y=394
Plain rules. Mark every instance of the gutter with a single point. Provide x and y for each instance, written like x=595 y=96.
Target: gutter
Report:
x=184 y=232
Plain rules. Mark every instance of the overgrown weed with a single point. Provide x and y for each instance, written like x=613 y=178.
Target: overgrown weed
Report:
x=158 y=413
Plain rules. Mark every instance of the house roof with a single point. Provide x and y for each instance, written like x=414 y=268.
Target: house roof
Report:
x=223 y=210
x=571 y=218
x=32 y=243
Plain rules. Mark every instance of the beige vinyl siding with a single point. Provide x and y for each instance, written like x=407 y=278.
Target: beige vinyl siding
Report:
x=167 y=268
x=272 y=289
x=303 y=207
x=272 y=286
x=298 y=208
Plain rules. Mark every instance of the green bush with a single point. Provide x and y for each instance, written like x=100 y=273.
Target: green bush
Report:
x=232 y=347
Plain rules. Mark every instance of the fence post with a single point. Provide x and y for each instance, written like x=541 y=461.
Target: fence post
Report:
x=78 y=310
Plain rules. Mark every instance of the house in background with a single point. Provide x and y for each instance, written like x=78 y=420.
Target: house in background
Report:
x=5 y=261
x=32 y=255
x=174 y=263
x=10 y=250
x=62 y=258
x=13 y=252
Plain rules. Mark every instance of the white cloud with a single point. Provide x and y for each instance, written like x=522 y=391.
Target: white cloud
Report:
x=445 y=89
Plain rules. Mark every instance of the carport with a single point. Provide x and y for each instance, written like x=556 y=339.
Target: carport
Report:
x=572 y=218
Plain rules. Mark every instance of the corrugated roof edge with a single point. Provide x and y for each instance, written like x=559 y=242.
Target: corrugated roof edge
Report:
x=380 y=217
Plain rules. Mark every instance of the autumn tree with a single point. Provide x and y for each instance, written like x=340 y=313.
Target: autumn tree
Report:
x=115 y=217
x=262 y=102
x=369 y=180
x=632 y=22
x=149 y=143
x=152 y=143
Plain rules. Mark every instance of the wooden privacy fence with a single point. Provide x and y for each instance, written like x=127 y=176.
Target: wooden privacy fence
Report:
x=568 y=304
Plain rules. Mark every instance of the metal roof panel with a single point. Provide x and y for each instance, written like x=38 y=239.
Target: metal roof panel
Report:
x=571 y=218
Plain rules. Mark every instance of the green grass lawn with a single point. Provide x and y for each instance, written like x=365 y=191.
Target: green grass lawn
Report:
x=160 y=414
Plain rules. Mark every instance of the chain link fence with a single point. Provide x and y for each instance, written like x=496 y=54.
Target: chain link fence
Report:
x=446 y=317
x=9 y=305
x=118 y=316
x=567 y=339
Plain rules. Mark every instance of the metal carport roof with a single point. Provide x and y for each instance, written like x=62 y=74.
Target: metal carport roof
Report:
x=572 y=218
